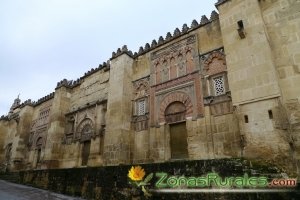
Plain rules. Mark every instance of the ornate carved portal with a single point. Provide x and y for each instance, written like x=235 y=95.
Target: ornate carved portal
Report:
x=86 y=132
x=174 y=71
x=39 y=128
x=175 y=116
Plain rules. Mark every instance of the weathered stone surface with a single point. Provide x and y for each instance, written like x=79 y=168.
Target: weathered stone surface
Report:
x=112 y=182
x=234 y=97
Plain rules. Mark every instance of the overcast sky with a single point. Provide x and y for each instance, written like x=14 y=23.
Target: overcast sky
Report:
x=45 y=41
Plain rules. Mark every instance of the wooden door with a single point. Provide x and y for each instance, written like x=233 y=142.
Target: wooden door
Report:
x=178 y=141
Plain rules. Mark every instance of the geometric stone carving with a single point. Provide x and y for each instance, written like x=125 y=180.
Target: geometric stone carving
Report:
x=85 y=130
x=174 y=61
x=178 y=97
x=175 y=112
x=214 y=63
x=141 y=88
x=140 y=116
x=219 y=85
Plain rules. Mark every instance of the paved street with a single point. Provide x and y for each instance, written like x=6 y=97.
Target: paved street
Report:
x=11 y=191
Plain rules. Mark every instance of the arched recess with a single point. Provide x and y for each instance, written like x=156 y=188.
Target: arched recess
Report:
x=38 y=147
x=85 y=130
x=176 y=97
x=215 y=63
x=8 y=152
x=175 y=116
x=175 y=112
x=85 y=133
x=141 y=89
x=39 y=142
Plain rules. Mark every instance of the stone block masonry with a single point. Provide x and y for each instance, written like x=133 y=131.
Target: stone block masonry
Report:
x=224 y=87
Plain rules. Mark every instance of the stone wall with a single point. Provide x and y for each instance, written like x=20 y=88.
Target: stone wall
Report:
x=251 y=35
x=113 y=183
x=93 y=88
x=282 y=23
x=119 y=110
x=231 y=81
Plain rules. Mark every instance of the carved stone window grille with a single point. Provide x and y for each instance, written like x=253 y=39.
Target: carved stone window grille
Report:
x=219 y=85
x=141 y=105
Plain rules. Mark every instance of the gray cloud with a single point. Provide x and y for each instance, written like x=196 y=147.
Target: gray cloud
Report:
x=42 y=42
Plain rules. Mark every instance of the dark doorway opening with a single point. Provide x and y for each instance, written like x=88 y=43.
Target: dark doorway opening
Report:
x=38 y=156
x=85 y=152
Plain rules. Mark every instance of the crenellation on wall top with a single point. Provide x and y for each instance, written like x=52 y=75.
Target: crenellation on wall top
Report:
x=4 y=118
x=73 y=83
x=104 y=65
x=64 y=83
x=169 y=37
x=194 y=24
x=214 y=15
x=28 y=102
x=177 y=33
x=220 y=2
x=185 y=28
x=204 y=20
x=121 y=51
x=43 y=99
x=124 y=50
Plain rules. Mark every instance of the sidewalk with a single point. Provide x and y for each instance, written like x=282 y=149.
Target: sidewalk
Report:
x=11 y=191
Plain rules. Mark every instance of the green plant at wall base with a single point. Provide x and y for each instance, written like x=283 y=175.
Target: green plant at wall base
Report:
x=136 y=175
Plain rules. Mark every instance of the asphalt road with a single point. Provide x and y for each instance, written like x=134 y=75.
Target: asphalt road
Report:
x=11 y=191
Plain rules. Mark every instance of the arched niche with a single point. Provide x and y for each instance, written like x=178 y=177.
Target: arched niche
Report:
x=175 y=112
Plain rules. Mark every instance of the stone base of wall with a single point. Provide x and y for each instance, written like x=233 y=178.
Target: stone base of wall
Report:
x=112 y=182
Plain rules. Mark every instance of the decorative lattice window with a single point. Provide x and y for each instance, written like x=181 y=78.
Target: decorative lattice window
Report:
x=219 y=85
x=141 y=107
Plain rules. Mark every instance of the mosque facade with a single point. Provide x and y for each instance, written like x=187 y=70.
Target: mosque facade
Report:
x=227 y=86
